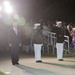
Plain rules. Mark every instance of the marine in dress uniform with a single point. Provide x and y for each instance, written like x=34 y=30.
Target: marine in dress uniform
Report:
x=60 y=39
x=37 y=42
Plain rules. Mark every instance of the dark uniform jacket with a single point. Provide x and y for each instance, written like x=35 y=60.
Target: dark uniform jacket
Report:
x=59 y=34
x=38 y=37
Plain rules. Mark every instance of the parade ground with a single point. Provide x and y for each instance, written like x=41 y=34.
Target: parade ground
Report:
x=28 y=66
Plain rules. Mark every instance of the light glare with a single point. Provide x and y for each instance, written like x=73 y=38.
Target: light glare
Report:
x=0 y=15
x=6 y=3
x=0 y=8
x=16 y=16
x=8 y=9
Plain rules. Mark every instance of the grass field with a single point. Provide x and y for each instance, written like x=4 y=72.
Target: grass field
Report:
x=1 y=73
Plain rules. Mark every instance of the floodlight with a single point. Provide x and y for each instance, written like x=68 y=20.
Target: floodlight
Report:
x=7 y=7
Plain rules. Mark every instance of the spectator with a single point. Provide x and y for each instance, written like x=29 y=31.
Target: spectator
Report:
x=27 y=38
x=68 y=33
x=73 y=37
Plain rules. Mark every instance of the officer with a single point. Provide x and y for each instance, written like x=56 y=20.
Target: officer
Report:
x=37 y=41
x=58 y=29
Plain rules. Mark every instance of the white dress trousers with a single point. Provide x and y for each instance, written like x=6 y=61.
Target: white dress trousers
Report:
x=59 y=47
x=37 y=51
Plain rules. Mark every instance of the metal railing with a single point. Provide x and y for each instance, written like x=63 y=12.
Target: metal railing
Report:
x=51 y=38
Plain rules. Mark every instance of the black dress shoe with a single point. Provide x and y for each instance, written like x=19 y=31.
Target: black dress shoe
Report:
x=13 y=63
x=17 y=63
x=39 y=61
x=61 y=60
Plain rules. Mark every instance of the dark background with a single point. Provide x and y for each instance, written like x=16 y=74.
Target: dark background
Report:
x=46 y=9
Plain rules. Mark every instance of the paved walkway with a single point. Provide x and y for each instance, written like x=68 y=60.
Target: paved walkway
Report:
x=28 y=66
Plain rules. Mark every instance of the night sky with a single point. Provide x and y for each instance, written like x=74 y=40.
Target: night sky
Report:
x=45 y=9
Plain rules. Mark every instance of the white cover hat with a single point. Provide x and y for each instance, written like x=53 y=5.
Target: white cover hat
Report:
x=37 y=24
x=58 y=22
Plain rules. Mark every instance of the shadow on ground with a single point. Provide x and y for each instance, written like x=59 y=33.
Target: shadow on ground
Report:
x=34 y=71
x=61 y=65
